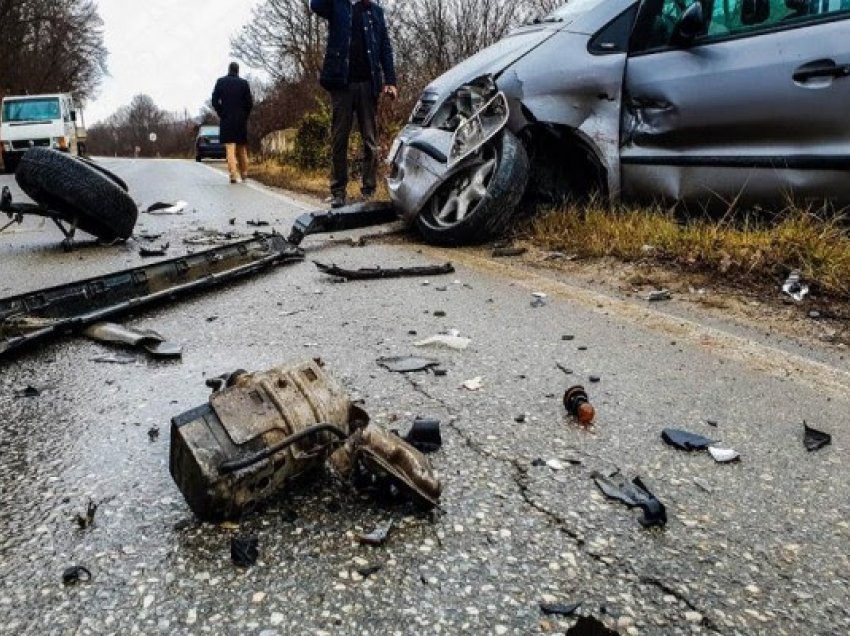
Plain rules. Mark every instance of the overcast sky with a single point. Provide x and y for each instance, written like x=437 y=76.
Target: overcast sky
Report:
x=171 y=50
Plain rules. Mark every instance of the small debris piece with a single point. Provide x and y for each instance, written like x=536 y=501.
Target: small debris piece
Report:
x=257 y=223
x=167 y=208
x=146 y=339
x=440 y=313
x=146 y=252
x=633 y=494
x=794 y=287
x=578 y=405
x=440 y=372
x=424 y=435
x=538 y=299
x=814 y=314
x=118 y=358
x=447 y=341
x=519 y=419
x=371 y=273
x=595 y=379
x=724 y=455
x=244 y=550
x=378 y=536
x=703 y=485
x=148 y=237
x=563 y=368
x=368 y=570
x=502 y=252
x=407 y=364
x=590 y=626
x=559 y=609
x=711 y=423
x=582 y=348
x=555 y=464
x=27 y=392
x=657 y=295
x=76 y=574
x=537 y=463
x=153 y=433
x=568 y=337
x=814 y=439
x=474 y=384
x=684 y=440
x=86 y=521
x=224 y=380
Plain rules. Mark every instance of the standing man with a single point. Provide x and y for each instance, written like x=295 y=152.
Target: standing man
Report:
x=358 y=68
x=232 y=100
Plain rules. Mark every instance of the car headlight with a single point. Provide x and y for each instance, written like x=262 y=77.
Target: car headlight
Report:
x=464 y=102
x=481 y=125
x=6 y=146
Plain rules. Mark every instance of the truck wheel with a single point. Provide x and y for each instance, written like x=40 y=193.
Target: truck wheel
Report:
x=478 y=202
x=77 y=190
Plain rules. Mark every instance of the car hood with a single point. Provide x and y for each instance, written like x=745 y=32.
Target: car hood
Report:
x=494 y=59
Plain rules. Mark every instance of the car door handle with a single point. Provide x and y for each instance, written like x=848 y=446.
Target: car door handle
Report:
x=806 y=72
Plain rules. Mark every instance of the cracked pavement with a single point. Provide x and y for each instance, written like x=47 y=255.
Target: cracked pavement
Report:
x=758 y=547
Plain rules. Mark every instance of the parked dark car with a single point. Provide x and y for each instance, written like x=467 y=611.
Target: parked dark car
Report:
x=207 y=145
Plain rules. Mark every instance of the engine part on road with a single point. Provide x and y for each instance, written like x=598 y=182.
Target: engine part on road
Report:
x=349 y=217
x=37 y=315
x=254 y=436
x=684 y=440
x=814 y=439
x=372 y=273
x=375 y=457
x=146 y=339
x=635 y=495
x=578 y=405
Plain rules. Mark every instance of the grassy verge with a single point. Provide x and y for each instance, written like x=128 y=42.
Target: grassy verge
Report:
x=744 y=251
x=310 y=182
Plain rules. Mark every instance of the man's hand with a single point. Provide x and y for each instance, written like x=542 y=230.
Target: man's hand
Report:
x=391 y=91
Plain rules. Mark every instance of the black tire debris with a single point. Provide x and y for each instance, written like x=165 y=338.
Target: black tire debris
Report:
x=559 y=609
x=76 y=574
x=245 y=550
x=684 y=440
x=815 y=439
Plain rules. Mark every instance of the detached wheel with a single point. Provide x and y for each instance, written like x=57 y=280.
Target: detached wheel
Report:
x=478 y=202
x=78 y=190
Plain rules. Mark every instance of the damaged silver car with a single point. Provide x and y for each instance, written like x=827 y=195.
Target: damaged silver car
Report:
x=701 y=103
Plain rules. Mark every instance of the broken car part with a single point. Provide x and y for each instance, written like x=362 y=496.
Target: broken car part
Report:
x=254 y=436
x=635 y=495
x=85 y=521
x=350 y=217
x=375 y=457
x=76 y=574
x=814 y=439
x=559 y=609
x=424 y=435
x=145 y=339
x=684 y=440
x=794 y=287
x=407 y=364
x=147 y=252
x=371 y=273
x=378 y=536
x=658 y=295
x=245 y=550
x=590 y=626
x=724 y=455
x=578 y=405
x=37 y=315
x=166 y=208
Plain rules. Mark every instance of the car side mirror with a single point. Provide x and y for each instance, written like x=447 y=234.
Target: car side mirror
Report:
x=754 y=11
x=690 y=25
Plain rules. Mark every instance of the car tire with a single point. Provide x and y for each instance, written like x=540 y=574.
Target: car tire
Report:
x=492 y=213
x=78 y=190
x=199 y=158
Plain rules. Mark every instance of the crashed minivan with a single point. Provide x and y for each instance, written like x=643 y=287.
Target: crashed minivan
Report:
x=701 y=103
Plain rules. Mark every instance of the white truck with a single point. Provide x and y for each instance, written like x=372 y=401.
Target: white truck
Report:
x=43 y=121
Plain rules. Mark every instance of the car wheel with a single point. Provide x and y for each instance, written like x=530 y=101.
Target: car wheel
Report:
x=77 y=190
x=478 y=202
x=199 y=158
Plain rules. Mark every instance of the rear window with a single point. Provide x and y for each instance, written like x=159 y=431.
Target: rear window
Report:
x=24 y=110
x=209 y=131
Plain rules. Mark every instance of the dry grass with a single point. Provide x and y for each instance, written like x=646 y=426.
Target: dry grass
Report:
x=312 y=182
x=748 y=250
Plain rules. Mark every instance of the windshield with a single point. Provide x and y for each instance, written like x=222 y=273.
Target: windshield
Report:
x=571 y=8
x=209 y=131
x=46 y=109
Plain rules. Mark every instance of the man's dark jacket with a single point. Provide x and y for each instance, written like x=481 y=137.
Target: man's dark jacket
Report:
x=233 y=102
x=378 y=47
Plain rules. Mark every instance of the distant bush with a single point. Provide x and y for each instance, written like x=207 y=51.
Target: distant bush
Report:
x=312 y=148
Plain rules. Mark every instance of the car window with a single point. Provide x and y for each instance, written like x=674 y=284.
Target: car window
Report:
x=657 y=18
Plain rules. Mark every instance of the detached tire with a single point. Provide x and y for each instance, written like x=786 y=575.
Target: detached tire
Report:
x=78 y=189
x=490 y=192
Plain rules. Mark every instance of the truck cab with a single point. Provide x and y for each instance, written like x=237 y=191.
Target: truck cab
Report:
x=30 y=121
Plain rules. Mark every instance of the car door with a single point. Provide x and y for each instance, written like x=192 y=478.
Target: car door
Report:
x=754 y=110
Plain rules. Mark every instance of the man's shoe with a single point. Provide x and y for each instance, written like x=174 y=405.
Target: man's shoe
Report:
x=234 y=180
x=367 y=196
x=338 y=201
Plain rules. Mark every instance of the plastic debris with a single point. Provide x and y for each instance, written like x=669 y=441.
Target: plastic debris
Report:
x=559 y=609
x=86 y=520
x=635 y=495
x=474 y=384
x=657 y=295
x=425 y=435
x=447 y=341
x=118 y=358
x=578 y=405
x=27 y=392
x=146 y=252
x=555 y=464
x=590 y=626
x=167 y=208
x=538 y=300
x=794 y=287
x=257 y=223
x=371 y=273
x=76 y=574
x=244 y=550
x=147 y=339
x=724 y=455
x=153 y=433
x=814 y=439
x=684 y=440
x=378 y=536
x=407 y=364
x=368 y=570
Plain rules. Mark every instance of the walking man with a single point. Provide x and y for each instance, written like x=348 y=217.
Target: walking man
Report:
x=232 y=100
x=358 y=67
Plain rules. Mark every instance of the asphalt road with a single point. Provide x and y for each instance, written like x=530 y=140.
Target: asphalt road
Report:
x=757 y=547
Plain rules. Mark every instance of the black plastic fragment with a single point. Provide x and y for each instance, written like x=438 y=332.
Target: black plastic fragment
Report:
x=634 y=494
x=146 y=252
x=589 y=626
x=76 y=574
x=559 y=609
x=368 y=570
x=257 y=223
x=407 y=364
x=244 y=550
x=814 y=439
x=424 y=435
x=378 y=536
x=27 y=392
x=153 y=433
x=85 y=521
x=371 y=273
x=685 y=440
